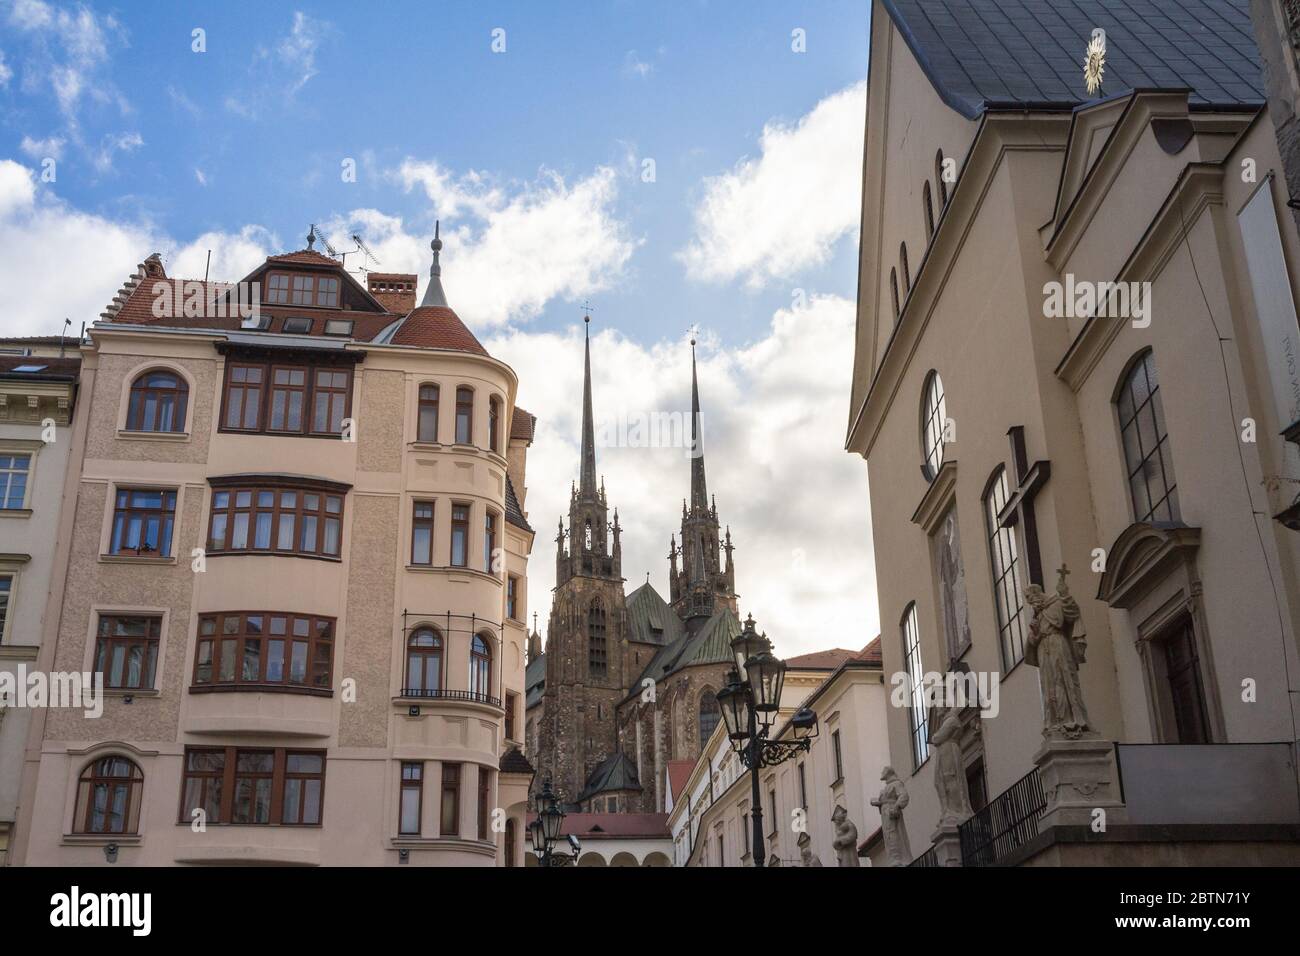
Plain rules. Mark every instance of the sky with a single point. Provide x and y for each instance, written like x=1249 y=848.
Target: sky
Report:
x=671 y=165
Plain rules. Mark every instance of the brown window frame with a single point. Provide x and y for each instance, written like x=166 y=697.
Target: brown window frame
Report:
x=490 y=534
x=484 y=801
x=407 y=784
x=336 y=397
x=450 y=789
x=508 y=841
x=459 y=528
x=317 y=662
x=175 y=397
x=95 y=774
x=427 y=402
x=290 y=390
x=494 y=424
x=265 y=388
x=422 y=651
x=480 y=660
x=333 y=293
x=150 y=642
x=420 y=522
x=126 y=510
x=274 y=291
x=226 y=510
x=465 y=406
x=512 y=597
x=511 y=701
x=227 y=777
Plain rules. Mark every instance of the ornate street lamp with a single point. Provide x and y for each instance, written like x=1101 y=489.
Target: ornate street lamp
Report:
x=749 y=703
x=544 y=831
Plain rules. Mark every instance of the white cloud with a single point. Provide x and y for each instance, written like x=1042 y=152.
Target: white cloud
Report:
x=38 y=149
x=37 y=289
x=772 y=413
x=200 y=176
x=297 y=51
x=112 y=144
x=633 y=65
x=70 y=46
x=6 y=74
x=518 y=246
x=281 y=71
x=770 y=217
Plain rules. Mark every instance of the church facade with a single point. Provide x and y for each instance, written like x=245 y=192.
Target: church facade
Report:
x=627 y=681
x=1073 y=394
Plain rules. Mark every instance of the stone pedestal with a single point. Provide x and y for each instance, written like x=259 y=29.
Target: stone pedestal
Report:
x=947 y=844
x=1078 y=777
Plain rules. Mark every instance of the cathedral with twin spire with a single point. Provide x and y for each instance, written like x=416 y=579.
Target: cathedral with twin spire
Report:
x=627 y=681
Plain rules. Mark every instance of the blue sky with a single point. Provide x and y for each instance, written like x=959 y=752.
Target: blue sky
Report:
x=117 y=139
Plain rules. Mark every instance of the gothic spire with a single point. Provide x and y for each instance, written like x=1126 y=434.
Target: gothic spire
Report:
x=433 y=294
x=699 y=494
x=588 y=489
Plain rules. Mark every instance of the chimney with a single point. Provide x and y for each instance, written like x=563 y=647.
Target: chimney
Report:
x=394 y=290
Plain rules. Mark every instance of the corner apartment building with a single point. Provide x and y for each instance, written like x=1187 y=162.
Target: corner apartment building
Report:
x=297 y=558
x=38 y=389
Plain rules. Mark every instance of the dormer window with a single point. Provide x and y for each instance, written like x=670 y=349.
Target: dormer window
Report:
x=338 y=327
x=297 y=325
x=277 y=288
x=327 y=293
x=302 y=290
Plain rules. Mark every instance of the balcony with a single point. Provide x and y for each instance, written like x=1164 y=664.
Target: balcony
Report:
x=474 y=697
x=1008 y=822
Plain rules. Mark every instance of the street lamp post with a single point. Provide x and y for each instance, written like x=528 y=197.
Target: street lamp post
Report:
x=749 y=702
x=544 y=831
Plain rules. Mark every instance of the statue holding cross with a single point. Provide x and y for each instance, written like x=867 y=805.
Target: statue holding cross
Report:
x=1056 y=646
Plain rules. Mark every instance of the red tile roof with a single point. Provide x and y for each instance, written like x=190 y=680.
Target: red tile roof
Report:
x=871 y=653
x=821 y=660
x=679 y=771
x=614 y=826
x=522 y=424
x=306 y=257
x=437 y=327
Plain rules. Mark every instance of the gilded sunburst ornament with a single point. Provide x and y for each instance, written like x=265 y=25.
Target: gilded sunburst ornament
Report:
x=1094 y=62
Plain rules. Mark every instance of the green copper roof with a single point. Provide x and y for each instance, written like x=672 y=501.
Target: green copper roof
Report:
x=650 y=619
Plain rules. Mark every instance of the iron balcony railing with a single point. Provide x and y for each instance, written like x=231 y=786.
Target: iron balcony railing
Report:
x=436 y=694
x=928 y=858
x=1007 y=823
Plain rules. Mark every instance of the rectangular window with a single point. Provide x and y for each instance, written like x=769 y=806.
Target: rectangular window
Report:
x=302 y=290
x=126 y=650
x=511 y=701
x=256 y=648
x=338 y=326
x=296 y=325
x=279 y=520
x=772 y=826
x=6 y=592
x=14 y=470
x=422 y=533
x=143 y=521
x=744 y=832
x=512 y=598
x=327 y=292
x=484 y=801
x=803 y=787
x=1004 y=558
x=412 y=799
x=464 y=416
x=838 y=755
x=490 y=543
x=449 y=817
x=426 y=427
x=253 y=787
x=918 y=713
x=286 y=399
x=277 y=288
x=460 y=535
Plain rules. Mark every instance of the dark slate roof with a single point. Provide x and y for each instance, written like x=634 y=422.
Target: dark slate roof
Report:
x=982 y=54
x=614 y=773
x=515 y=514
x=650 y=619
x=711 y=644
x=534 y=681
x=513 y=761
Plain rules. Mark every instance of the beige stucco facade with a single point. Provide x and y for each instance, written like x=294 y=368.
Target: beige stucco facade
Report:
x=1138 y=188
x=360 y=714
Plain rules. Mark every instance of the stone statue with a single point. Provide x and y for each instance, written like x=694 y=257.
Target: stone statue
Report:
x=806 y=854
x=892 y=801
x=949 y=774
x=845 y=840
x=1056 y=646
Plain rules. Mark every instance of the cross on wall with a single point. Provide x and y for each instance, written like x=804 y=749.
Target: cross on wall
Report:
x=1019 y=508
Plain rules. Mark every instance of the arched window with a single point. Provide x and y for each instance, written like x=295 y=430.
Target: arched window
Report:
x=1004 y=560
x=494 y=424
x=893 y=291
x=423 y=663
x=586 y=537
x=464 y=415
x=480 y=667
x=938 y=175
x=426 y=428
x=108 y=797
x=1149 y=464
x=917 y=711
x=934 y=418
x=157 y=403
x=929 y=211
x=907 y=273
x=508 y=855
x=597 y=647
x=709 y=714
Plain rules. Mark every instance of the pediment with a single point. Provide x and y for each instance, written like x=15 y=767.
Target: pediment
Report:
x=1090 y=128
x=1143 y=556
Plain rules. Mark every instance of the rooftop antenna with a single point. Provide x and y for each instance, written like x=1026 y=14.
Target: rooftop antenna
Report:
x=364 y=250
x=207 y=265
x=63 y=336
x=313 y=235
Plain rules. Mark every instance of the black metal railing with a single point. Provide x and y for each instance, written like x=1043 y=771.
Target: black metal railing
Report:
x=928 y=858
x=436 y=694
x=1009 y=821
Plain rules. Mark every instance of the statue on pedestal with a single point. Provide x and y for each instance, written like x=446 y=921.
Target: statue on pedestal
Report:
x=1056 y=646
x=806 y=854
x=891 y=801
x=845 y=840
x=949 y=774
